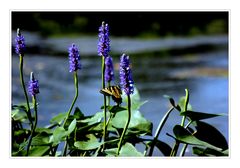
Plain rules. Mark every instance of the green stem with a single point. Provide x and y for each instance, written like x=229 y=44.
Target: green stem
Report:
x=108 y=104
x=71 y=107
x=35 y=123
x=28 y=112
x=177 y=143
x=75 y=97
x=126 y=126
x=185 y=106
x=104 y=103
x=182 y=153
x=160 y=126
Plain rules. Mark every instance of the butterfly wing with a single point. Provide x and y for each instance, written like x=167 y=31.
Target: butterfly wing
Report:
x=113 y=91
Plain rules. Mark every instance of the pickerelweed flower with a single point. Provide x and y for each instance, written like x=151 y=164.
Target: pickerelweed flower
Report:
x=109 y=71
x=125 y=74
x=74 y=58
x=20 y=43
x=33 y=87
x=104 y=42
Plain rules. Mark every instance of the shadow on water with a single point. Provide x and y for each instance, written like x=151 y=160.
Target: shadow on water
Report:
x=203 y=70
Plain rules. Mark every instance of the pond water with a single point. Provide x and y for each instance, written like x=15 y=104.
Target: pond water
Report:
x=205 y=74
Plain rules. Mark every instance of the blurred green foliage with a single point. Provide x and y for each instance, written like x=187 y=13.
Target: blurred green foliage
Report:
x=142 y=24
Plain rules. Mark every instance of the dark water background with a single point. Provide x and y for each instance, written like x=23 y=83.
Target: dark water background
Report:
x=160 y=66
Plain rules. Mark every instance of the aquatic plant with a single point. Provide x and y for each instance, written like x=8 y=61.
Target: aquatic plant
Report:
x=109 y=71
x=33 y=89
x=118 y=127
x=20 y=48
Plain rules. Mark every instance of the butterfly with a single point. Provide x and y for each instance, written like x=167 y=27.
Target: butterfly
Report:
x=113 y=91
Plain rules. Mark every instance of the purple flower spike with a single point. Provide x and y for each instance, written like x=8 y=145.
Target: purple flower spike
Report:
x=109 y=71
x=126 y=80
x=104 y=42
x=74 y=58
x=33 y=87
x=20 y=43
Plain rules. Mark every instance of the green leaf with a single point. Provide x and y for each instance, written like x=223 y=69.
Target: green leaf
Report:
x=112 y=152
x=172 y=102
x=137 y=122
x=41 y=139
x=39 y=150
x=19 y=115
x=115 y=109
x=71 y=127
x=135 y=99
x=90 y=144
x=208 y=152
x=195 y=116
x=58 y=135
x=58 y=119
x=211 y=135
x=129 y=150
x=45 y=130
x=182 y=102
x=93 y=119
x=185 y=136
x=162 y=146
x=78 y=114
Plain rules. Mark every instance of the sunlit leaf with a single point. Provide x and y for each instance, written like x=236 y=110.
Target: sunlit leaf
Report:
x=93 y=119
x=39 y=150
x=135 y=99
x=71 y=127
x=90 y=144
x=58 y=135
x=129 y=150
x=181 y=103
x=137 y=122
x=45 y=130
x=58 y=119
x=41 y=139
x=112 y=152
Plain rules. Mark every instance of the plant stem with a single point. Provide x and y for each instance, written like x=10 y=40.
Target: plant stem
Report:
x=177 y=143
x=28 y=112
x=71 y=107
x=126 y=126
x=182 y=153
x=75 y=97
x=160 y=126
x=104 y=102
x=35 y=123
x=185 y=106
x=108 y=104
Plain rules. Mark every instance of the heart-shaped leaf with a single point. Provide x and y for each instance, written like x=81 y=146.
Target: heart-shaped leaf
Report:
x=185 y=136
x=211 y=135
